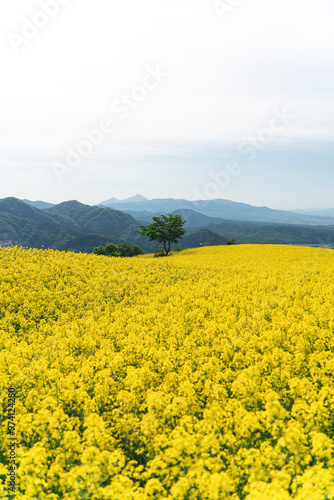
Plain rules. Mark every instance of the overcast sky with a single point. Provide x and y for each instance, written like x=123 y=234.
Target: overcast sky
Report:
x=192 y=98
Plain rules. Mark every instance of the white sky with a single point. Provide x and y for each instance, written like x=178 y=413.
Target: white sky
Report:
x=226 y=78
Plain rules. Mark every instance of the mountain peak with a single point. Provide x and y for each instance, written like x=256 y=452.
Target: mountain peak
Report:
x=137 y=198
x=133 y=199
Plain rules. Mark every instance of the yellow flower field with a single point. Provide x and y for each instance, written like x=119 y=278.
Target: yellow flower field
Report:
x=205 y=375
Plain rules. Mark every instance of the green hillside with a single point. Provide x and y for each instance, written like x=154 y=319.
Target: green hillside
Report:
x=202 y=237
x=70 y=225
x=94 y=219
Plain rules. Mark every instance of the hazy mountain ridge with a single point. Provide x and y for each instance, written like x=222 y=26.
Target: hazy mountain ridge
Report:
x=39 y=204
x=318 y=212
x=133 y=199
x=224 y=209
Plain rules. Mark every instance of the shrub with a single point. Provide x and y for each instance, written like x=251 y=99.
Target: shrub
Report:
x=159 y=253
x=109 y=250
x=122 y=250
x=128 y=250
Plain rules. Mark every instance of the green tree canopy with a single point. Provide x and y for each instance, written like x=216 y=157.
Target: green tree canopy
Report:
x=166 y=229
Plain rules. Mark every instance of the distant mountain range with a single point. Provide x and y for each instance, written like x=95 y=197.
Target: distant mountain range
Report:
x=143 y=209
x=74 y=226
x=219 y=208
x=134 y=199
x=318 y=212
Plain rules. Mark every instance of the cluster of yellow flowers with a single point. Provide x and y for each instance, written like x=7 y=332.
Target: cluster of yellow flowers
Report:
x=204 y=375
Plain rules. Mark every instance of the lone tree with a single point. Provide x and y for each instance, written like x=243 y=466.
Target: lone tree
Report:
x=166 y=229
